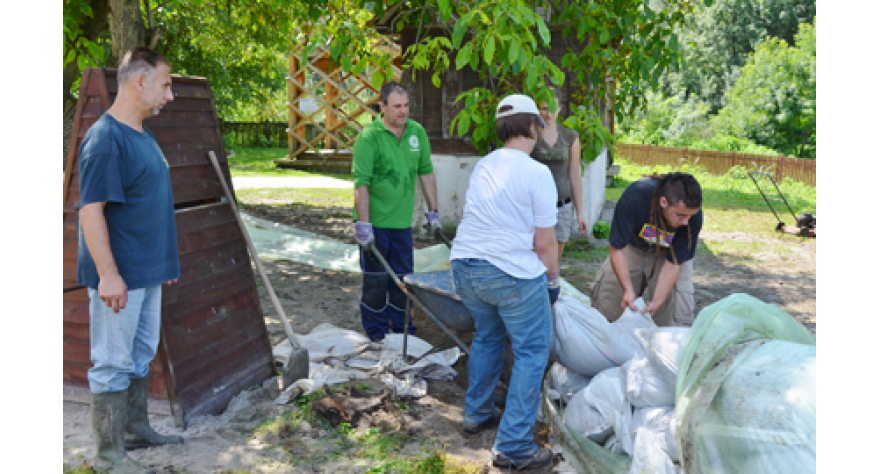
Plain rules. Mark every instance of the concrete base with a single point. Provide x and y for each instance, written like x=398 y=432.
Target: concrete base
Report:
x=453 y=175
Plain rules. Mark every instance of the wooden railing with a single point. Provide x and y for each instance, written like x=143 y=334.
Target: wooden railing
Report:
x=719 y=162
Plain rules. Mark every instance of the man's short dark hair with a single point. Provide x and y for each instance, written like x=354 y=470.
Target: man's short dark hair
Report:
x=512 y=126
x=389 y=88
x=139 y=61
x=681 y=187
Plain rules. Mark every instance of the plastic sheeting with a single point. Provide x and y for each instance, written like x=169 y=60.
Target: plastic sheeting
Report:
x=339 y=355
x=282 y=242
x=746 y=391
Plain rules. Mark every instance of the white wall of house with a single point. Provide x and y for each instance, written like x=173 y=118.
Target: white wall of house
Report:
x=453 y=173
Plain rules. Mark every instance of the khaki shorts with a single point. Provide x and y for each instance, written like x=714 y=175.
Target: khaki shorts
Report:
x=677 y=310
x=565 y=220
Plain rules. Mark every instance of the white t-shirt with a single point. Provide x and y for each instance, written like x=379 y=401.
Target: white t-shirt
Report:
x=508 y=196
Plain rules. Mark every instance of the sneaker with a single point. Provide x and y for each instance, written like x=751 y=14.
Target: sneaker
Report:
x=490 y=422
x=541 y=460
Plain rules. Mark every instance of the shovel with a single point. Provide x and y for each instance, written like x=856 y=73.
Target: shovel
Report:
x=297 y=366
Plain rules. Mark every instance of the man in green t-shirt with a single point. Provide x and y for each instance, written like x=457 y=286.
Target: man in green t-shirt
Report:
x=389 y=154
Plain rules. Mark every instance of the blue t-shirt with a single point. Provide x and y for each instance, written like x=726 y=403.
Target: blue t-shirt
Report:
x=127 y=170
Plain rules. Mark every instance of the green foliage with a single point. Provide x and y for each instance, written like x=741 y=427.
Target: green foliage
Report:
x=601 y=230
x=669 y=121
x=718 y=38
x=773 y=103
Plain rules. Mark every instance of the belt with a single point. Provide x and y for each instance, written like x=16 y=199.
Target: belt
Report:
x=562 y=203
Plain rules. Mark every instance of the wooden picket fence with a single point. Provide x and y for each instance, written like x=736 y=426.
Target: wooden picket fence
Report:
x=719 y=162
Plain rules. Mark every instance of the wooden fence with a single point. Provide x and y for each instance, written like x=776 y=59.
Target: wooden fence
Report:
x=719 y=162
x=255 y=133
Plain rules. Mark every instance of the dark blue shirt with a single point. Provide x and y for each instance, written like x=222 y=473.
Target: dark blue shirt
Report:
x=631 y=224
x=127 y=170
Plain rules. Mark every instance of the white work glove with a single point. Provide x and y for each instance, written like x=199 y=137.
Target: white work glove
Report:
x=363 y=233
x=433 y=224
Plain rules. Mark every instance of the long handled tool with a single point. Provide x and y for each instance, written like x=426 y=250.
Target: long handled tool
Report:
x=298 y=361
x=414 y=299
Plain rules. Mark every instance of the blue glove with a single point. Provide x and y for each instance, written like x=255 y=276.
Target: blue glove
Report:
x=363 y=233
x=433 y=221
x=553 y=289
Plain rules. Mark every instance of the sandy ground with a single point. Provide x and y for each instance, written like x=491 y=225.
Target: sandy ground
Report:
x=310 y=296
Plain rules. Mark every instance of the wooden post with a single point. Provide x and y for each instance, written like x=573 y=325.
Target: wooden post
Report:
x=330 y=118
x=291 y=116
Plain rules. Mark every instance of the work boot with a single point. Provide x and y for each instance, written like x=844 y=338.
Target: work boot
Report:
x=138 y=432
x=108 y=426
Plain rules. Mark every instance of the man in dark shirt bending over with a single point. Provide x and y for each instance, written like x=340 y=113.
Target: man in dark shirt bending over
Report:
x=653 y=239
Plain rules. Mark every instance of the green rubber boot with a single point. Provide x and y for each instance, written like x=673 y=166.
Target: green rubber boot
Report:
x=138 y=432
x=108 y=426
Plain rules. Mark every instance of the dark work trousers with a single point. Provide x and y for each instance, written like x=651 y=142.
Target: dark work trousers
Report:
x=383 y=304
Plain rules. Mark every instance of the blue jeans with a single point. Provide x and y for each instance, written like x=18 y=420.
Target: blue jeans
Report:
x=383 y=304
x=502 y=306
x=123 y=343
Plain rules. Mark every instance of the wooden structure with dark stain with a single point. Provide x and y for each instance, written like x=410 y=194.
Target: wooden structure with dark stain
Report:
x=214 y=341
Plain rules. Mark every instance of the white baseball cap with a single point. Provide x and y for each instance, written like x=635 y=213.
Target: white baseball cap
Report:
x=520 y=104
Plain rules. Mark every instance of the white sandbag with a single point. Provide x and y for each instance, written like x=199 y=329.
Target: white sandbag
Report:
x=662 y=346
x=764 y=415
x=585 y=342
x=644 y=387
x=601 y=409
x=566 y=382
x=661 y=421
x=648 y=456
x=581 y=416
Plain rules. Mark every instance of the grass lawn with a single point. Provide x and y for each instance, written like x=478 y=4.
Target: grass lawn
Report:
x=732 y=203
x=249 y=161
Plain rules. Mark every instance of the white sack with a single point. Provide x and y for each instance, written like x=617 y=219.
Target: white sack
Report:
x=600 y=409
x=662 y=346
x=648 y=456
x=660 y=421
x=585 y=342
x=566 y=382
x=645 y=387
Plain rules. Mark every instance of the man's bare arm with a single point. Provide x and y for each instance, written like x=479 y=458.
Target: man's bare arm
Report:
x=111 y=287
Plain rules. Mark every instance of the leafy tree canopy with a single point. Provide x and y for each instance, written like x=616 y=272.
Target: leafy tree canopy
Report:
x=719 y=37
x=618 y=47
x=773 y=102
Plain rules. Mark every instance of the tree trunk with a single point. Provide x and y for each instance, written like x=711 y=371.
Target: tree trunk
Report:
x=127 y=28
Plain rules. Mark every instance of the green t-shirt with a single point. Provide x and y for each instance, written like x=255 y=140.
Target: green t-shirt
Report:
x=388 y=166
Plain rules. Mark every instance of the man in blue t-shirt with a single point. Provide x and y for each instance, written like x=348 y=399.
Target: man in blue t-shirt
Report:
x=653 y=240
x=127 y=250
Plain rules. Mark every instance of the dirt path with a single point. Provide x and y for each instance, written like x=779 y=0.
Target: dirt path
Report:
x=311 y=296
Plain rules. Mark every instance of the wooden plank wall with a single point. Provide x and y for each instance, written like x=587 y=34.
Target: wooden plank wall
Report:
x=214 y=340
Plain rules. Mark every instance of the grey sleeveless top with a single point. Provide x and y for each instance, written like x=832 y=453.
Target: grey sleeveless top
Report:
x=556 y=158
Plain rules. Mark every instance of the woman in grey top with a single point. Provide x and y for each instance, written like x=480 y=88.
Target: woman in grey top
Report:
x=559 y=148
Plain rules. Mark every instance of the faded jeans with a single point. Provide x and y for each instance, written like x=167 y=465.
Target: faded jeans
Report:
x=123 y=343
x=502 y=306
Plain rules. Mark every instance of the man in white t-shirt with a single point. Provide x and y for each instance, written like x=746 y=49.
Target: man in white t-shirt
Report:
x=503 y=257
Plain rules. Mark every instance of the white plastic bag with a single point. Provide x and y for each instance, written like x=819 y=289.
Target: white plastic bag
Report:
x=645 y=387
x=566 y=382
x=601 y=409
x=662 y=346
x=585 y=342
x=660 y=421
x=648 y=456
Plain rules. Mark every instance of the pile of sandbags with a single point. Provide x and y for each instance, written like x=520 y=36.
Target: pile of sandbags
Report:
x=734 y=393
x=617 y=381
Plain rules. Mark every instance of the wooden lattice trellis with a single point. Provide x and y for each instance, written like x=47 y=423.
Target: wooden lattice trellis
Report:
x=331 y=146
